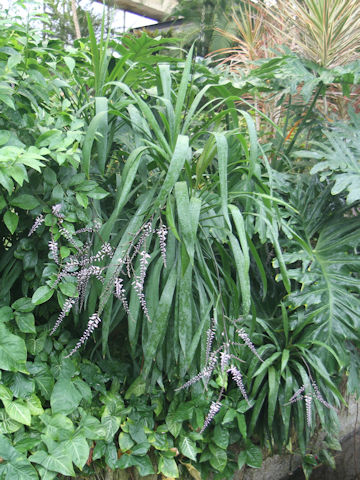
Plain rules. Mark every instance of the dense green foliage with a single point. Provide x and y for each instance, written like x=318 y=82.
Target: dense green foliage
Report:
x=262 y=232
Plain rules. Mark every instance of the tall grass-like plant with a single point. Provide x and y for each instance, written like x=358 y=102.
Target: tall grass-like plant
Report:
x=253 y=40
x=324 y=31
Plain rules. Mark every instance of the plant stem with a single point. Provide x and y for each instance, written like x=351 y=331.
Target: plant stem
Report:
x=308 y=113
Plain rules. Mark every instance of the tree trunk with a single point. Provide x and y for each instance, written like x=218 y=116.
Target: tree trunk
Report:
x=75 y=19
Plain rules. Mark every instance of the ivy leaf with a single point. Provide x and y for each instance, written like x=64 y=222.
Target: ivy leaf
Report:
x=79 y=449
x=111 y=424
x=46 y=474
x=125 y=461
x=92 y=428
x=18 y=411
x=125 y=442
x=21 y=385
x=45 y=382
x=34 y=404
x=221 y=437
x=58 y=421
x=36 y=343
x=143 y=465
x=137 y=432
x=218 y=459
x=5 y=393
x=253 y=455
x=65 y=397
x=59 y=461
x=137 y=388
x=111 y=457
x=188 y=448
x=17 y=466
x=168 y=467
x=7 y=425
x=140 y=449
x=12 y=351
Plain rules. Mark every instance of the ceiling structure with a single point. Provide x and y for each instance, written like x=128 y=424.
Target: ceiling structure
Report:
x=156 y=9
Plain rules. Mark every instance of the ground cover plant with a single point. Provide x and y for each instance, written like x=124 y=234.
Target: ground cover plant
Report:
x=179 y=288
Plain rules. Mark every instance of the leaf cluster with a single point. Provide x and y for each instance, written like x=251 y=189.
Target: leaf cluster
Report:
x=255 y=244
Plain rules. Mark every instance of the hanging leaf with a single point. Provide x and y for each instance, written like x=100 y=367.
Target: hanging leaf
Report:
x=188 y=448
x=11 y=221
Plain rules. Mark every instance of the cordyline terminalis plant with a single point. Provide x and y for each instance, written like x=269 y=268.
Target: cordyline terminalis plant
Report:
x=324 y=31
x=82 y=266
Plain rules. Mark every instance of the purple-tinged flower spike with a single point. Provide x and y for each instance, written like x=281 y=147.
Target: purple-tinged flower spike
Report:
x=244 y=336
x=83 y=277
x=146 y=230
x=144 y=256
x=214 y=409
x=208 y=370
x=297 y=395
x=210 y=335
x=56 y=210
x=237 y=377
x=97 y=225
x=161 y=232
x=84 y=230
x=96 y=271
x=121 y=294
x=69 y=302
x=105 y=250
x=54 y=250
x=138 y=287
x=224 y=360
x=204 y=374
x=38 y=221
x=76 y=243
x=320 y=397
x=308 y=402
x=93 y=323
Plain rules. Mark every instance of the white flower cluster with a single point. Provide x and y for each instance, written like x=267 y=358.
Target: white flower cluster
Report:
x=81 y=266
x=38 y=221
x=93 y=323
x=245 y=337
x=237 y=377
x=308 y=398
x=214 y=409
x=69 y=302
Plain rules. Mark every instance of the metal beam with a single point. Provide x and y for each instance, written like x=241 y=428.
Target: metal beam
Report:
x=156 y=9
